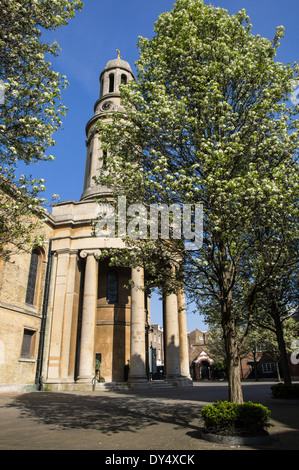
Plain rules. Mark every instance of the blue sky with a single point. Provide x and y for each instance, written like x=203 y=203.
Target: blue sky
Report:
x=90 y=41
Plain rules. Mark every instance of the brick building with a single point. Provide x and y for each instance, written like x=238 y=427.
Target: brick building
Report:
x=200 y=362
x=157 y=351
x=262 y=366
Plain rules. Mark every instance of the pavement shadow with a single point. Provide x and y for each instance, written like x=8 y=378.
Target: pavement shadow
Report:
x=107 y=414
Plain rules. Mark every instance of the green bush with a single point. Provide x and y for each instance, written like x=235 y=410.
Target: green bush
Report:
x=253 y=416
x=228 y=416
x=282 y=390
x=221 y=414
x=219 y=370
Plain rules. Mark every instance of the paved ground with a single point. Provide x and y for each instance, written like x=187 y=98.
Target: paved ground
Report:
x=156 y=420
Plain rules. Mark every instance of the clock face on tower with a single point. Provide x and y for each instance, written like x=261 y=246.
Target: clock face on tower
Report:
x=107 y=105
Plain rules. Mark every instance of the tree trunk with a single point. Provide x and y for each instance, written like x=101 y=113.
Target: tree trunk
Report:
x=229 y=332
x=232 y=356
x=255 y=366
x=277 y=371
x=235 y=393
x=281 y=345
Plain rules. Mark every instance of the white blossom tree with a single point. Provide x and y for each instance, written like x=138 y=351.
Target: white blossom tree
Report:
x=31 y=110
x=209 y=120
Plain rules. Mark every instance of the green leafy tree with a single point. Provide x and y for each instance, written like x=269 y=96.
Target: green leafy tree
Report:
x=209 y=120
x=31 y=110
x=276 y=308
x=265 y=339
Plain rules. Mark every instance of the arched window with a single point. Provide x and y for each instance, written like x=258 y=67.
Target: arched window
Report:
x=112 y=287
x=123 y=79
x=111 y=83
x=32 y=277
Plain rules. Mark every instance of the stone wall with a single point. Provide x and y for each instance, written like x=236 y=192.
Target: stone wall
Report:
x=17 y=368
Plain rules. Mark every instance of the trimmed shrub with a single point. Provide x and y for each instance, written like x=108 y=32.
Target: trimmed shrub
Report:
x=253 y=416
x=284 y=391
x=224 y=416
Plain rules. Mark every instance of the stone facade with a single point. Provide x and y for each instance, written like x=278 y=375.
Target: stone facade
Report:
x=20 y=321
x=82 y=310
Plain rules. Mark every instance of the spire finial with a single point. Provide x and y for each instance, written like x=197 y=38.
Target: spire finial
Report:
x=118 y=54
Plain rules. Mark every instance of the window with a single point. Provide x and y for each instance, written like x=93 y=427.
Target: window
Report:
x=268 y=368
x=111 y=83
x=99 y=357
x=28 y=344
x=123 y=79
x=32 y=277
x=104 y=159
x=112 y=287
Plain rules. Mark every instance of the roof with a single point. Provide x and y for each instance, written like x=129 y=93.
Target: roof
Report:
x=118 y=63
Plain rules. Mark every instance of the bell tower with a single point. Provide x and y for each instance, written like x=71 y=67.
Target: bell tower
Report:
x=116 y=72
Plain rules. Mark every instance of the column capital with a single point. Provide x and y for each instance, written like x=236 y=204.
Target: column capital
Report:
x=95 y=253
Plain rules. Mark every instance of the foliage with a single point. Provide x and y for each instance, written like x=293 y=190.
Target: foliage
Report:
x=260 y=339
x=264 y=339
x=274 y=311
x=232 y=417
x=20 y=219
x=209 y=121
x=31 y=111
x=98 y=371
x=282 y=390
x=215 y=345
x=219 y=370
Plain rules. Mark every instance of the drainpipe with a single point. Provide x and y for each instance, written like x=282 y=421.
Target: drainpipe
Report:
x=40 y=356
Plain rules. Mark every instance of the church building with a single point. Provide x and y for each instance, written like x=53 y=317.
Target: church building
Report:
x=63 y=309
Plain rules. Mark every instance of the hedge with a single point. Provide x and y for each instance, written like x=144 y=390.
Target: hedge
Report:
x=225 y=415
x=284 y=391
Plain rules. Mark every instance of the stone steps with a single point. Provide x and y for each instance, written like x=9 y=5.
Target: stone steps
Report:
x=161 y=384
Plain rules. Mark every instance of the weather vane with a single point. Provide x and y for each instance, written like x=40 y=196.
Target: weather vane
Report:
x=118 y=54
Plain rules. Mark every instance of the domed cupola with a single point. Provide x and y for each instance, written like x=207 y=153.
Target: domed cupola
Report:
x=115 y=73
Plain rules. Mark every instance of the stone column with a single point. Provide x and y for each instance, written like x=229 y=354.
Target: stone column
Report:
x=55 y=341
x=46 y=358
x=172 y=338
x=86 y=362
x=137 y=376
x=68 y=315
x=184 y=350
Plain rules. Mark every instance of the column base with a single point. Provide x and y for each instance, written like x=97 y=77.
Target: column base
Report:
x=68 y=387
x=139 y=382
x=179 y=381
x=84 y=380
